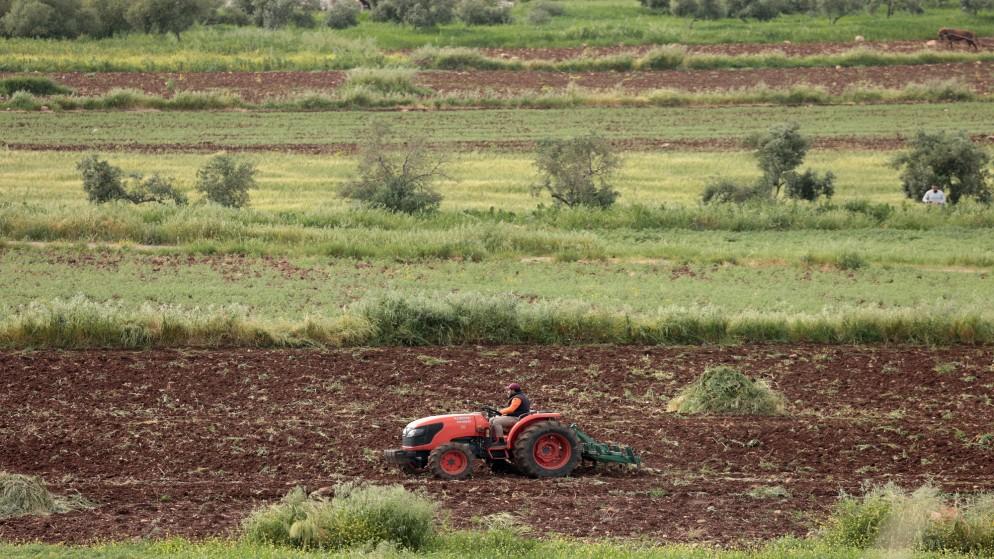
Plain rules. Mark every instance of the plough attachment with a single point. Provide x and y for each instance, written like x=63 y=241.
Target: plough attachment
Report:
x=604 y=452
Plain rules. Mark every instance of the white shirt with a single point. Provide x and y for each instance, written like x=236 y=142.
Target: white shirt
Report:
x=934 y=197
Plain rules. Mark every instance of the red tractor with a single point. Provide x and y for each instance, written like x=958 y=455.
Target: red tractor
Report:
x=538 y=445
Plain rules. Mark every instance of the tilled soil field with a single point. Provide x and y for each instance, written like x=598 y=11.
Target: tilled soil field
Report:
x=732 y=49
x=187 y=441
x=259 y=86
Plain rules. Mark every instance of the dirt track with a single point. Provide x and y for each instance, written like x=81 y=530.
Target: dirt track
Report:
x=258 y=86
x=186 y=442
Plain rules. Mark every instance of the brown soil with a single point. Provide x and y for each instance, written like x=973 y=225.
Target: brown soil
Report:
x=258 y=86
x=786 y=47
x=633 y=144
x=187 y=442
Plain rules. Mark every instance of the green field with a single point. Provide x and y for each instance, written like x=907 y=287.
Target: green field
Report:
x=322 y=128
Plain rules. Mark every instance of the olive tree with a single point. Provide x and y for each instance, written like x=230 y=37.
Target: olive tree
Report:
x=577 y=172
x=104 y=183
x=226 y=181
x=950 y=161
x=396 y=174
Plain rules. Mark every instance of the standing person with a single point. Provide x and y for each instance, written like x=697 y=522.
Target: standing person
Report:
x=518 y=405
x=935 y=196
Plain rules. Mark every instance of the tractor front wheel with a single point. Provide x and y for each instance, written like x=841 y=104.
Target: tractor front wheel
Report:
x=451 y=461
x=547 y=449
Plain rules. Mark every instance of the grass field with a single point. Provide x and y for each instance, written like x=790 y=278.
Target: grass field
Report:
x=455 y=547
x=587 y=22
x=483 y=126
x=476 y=181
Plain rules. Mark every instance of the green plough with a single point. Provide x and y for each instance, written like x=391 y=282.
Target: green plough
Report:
x=595 y=451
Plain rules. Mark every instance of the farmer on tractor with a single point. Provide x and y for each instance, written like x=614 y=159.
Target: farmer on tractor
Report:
x=517 y=406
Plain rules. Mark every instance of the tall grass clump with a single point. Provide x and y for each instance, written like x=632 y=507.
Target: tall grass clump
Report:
x=356 y=515
x=667 y=57
x=384 y=81
x=725 y=390
x=34 y=85
x=889 y=518
x=22 y=495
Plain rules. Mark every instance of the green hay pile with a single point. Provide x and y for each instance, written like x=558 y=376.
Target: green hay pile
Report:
x=22 y=495
x=724 y=390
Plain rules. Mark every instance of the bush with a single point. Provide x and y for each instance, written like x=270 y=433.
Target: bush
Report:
x=484 y=12
x=974 y=7
x=554 y=9
x=577 y=172
x=762 y=10
x=383 y=81
x=342 y=14
x=44 y=19
x=226 y=181
x=398 y=182
x=23 y=101
x=698 y=9
x=779 y=151
x=166 y=16
x=888 y=517
x=810 y=186
x=104 y=183
x=33 y=85
x=666 y=57
x=539 y=16
x=110 y=17
x=356 y=515
x=836 y=9
x=275 y=14
x=22 y=495
x=724 y=390
x=662 y=5
x=724 y=191
x=951 y=161
x=418 y=13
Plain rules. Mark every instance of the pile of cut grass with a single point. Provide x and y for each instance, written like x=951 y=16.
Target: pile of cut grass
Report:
x=22 y=495
x=725 y=390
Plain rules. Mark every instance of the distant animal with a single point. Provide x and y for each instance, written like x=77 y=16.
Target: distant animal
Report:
x=950 y=36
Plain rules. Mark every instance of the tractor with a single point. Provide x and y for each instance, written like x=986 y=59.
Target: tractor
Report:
x=538 y=445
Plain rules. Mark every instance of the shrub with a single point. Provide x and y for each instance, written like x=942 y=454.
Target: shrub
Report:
x=577 y=172
x=779 y=151
x=698 y=9
x=951 y=161
x=836 y=9
x=110 y=17
x=342 y=14
x=810 y=186
x=356 y=515
x=762 y=10
x=888 y=517
x=23 y=101
x=384 y=81
x=666 y=57
x=226 y=181
x=33 y=85
x=396 y=181
x=539 y=16
x=849 y=261
x=724 y=191
x=974 y=7
x=484 y=12
x=554 y=9
x=22 y=495
x=43 y=19
x=166 y=16
x=274 y=14
x=104 y=183
x=724 y=390
x=418 y=13
x=662 y=5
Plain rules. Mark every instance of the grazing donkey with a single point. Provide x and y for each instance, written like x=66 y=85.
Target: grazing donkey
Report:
x=950 y=36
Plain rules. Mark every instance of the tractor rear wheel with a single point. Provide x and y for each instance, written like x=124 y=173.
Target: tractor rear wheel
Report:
x=547 y=449
x=451 y=461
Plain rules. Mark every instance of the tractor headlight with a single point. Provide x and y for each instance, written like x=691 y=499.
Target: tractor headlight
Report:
x=416 y=432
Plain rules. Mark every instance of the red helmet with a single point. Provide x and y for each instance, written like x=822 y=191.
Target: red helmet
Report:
x=514 y=387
